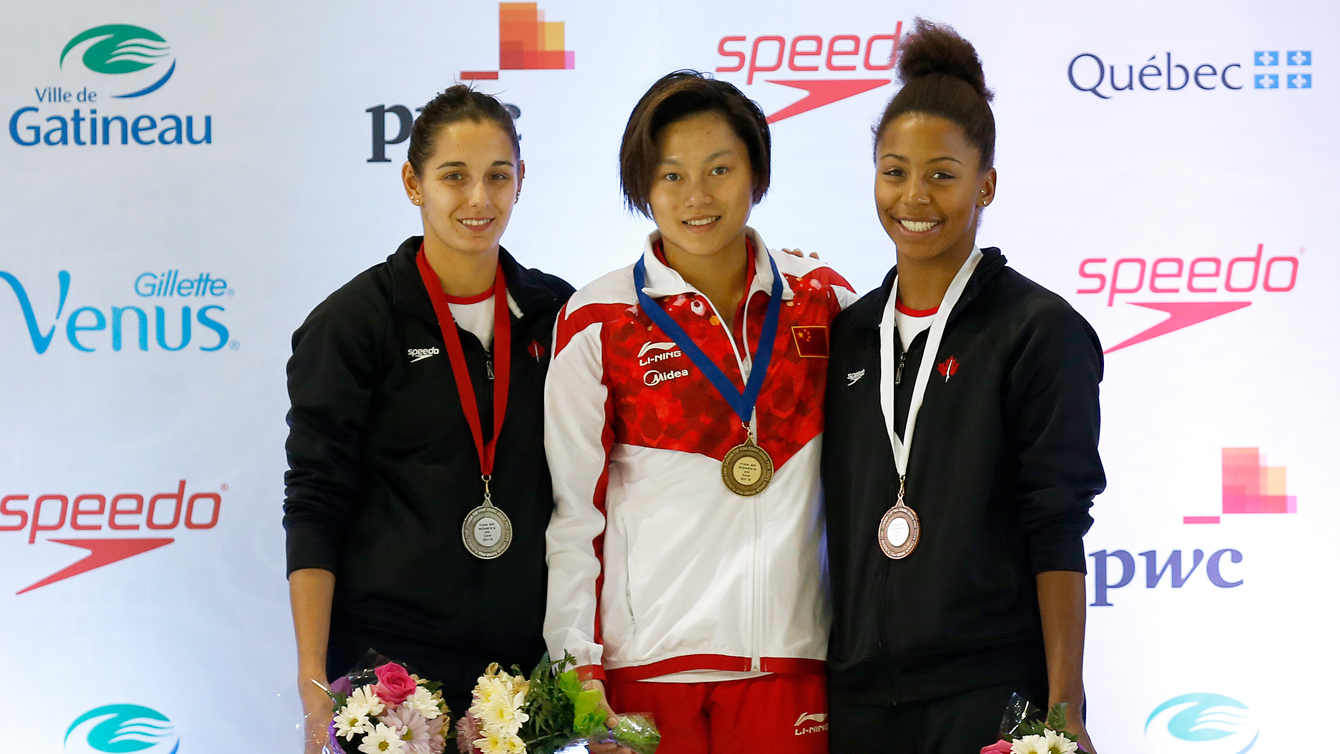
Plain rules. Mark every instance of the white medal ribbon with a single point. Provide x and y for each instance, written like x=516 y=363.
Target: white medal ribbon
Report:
x=888 y=332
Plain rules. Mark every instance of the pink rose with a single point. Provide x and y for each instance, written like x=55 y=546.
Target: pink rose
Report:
x=999 y=747
x=393 y=684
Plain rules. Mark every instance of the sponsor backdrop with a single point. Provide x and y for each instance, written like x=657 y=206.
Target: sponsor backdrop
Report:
x=183 y=184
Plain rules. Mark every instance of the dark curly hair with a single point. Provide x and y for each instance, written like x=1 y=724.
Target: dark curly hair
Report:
x=942 y=77
x=457 y=103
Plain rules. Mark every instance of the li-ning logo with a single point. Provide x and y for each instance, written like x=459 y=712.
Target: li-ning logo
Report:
x=667 y=351
x=1202 y=723
x=122 y=728
x=810 y=52
x=819 y=719
x=120 y=49
x=852 y=377
x=419 y=354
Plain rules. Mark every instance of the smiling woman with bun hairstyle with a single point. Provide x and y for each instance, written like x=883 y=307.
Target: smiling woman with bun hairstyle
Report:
x=960 y=448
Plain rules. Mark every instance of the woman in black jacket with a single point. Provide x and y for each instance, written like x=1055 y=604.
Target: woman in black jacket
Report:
x=404 y=533
x=960 y=448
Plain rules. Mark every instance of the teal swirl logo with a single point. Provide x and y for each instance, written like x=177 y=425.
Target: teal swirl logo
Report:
x=121 y=729
x=119 y=49
x=1211 y=723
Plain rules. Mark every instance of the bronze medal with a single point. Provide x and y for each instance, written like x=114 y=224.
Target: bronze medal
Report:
x=900 y=529
x=746 y=469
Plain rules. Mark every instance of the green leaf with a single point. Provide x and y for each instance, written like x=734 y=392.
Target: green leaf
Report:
x=1056 y=718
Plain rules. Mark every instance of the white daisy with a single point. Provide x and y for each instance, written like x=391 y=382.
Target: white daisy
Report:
x=1030 y=745
x=349 y=724
x=422 y=701
x=1059 y=744
x=365 y=702
x=381 y=740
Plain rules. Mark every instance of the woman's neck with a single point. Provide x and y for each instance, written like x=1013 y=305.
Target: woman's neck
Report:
x=922 y=283
x=720 y=277
x=462 y=275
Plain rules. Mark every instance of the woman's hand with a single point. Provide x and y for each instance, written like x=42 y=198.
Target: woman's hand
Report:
x=1074 y=724
x=316 y=715
x=611 y=720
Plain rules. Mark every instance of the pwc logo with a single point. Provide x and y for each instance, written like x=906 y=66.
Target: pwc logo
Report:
x=832 y=68
x=113 y=521
x=1187 y=290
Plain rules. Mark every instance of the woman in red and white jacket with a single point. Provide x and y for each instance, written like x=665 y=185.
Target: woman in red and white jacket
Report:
x=684 y=412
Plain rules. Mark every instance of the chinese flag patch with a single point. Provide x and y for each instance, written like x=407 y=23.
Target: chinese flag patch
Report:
x=811 y=341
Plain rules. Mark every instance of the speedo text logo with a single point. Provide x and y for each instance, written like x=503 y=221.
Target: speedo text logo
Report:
x=95 y=68
x=1168 y=72
x=832 y=68
x=181 y=308
x=108 y=526
x=1190 y=289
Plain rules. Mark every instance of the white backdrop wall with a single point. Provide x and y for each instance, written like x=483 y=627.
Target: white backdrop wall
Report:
x=141 y=553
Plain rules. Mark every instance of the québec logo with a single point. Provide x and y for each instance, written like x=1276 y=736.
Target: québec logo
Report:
x=110 y=516
x=87 y=327
x=1201 y=723
x=1180 y=287
x=835 y=59
x=122 y=728
x=1171 y=73
x=132 y=62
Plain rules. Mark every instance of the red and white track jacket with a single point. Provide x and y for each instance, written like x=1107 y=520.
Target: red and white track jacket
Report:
x=655 y=567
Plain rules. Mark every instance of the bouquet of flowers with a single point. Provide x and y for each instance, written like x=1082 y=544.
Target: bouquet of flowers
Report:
x=381 y=708
x=1021 y=732
x=542 y=714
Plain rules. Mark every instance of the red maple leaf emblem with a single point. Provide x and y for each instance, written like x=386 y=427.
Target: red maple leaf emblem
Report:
x=536 y=349
x=947 y=368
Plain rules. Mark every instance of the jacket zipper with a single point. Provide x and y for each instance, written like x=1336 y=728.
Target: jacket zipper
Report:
x=898 y=373
x=745 y=365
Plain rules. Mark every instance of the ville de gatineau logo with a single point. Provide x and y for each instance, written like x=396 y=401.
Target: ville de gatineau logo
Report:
x=102 y=66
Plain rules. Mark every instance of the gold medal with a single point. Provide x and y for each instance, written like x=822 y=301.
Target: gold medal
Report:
x=900 y=529
x=747 y=468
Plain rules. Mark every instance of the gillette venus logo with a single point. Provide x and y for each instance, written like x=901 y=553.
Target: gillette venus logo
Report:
x=116 y=520
x=1202 y=723
x=88 y=328
x=840 y=54
x=120 y=728
x=130 y=59
x=1179 y=286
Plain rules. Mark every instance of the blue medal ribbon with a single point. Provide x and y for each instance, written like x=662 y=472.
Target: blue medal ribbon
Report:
x=742 y=403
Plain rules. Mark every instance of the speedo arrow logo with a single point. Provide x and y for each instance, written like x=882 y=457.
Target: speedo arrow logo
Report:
x=822 y=92
x=1180 y=314
x=101 y=552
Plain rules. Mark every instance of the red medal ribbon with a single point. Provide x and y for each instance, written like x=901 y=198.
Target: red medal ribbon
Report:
x=502 y=348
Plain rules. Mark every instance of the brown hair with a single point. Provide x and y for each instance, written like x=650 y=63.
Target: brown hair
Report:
x=457 y=103
x=677 y=96
x=942 y=77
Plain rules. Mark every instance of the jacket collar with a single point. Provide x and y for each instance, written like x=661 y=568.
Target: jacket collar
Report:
x=992 y=262
x=526 y=291
x=664 y=280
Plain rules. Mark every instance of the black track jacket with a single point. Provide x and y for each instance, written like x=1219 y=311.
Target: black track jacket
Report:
x=383 y=471
x=1003 y=469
